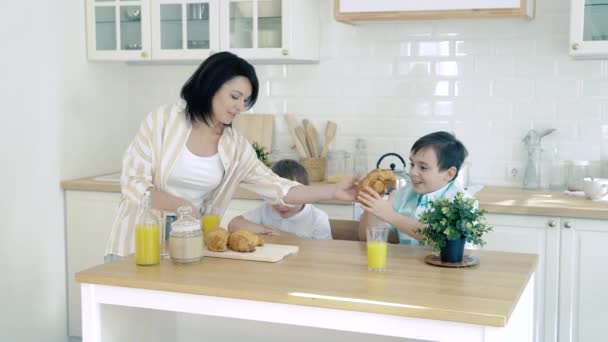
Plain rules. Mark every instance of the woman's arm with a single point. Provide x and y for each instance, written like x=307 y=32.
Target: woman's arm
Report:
x=373 y=204
x=240 y=222
x=164 y=201
x=345 y=190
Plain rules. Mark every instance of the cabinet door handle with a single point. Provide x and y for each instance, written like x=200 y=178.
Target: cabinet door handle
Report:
x=144 y=54
x=575 y=46
x=211 y=52
x=567 y=224
x=285 y=52
x=552 y=223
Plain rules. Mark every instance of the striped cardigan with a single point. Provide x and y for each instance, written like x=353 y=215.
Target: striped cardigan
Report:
x=148 y=160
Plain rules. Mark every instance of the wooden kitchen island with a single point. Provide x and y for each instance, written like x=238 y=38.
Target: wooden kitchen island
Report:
x=326 y=285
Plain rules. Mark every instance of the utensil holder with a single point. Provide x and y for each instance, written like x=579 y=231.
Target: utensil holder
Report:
x=315 y=168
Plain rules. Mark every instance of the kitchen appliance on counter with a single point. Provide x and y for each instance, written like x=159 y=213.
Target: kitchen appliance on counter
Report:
x=401 y=175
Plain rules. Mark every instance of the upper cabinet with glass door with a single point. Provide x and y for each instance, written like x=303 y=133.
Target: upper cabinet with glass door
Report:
x=183 y=29
x=272 y=31
x=118 y=30
x=589 y=28
x=279 y=30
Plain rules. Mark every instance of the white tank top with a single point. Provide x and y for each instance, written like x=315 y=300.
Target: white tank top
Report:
x=193 y=178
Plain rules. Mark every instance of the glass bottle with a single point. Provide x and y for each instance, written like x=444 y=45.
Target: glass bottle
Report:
x=186 y=242
x=360 y=166
x=148 y=235
x=532 y=173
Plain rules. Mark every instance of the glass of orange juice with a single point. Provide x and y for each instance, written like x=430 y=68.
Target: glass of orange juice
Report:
x=210 y=219
x=377 y=248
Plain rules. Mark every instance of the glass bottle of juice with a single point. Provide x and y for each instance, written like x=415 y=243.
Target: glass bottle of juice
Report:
x=148 y=237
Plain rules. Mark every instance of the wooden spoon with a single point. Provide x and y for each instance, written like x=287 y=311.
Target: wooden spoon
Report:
x=301 y=134
x=330 y=133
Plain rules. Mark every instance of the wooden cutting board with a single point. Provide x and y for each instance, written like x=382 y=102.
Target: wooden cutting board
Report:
x=256 y=128
x=268 y=253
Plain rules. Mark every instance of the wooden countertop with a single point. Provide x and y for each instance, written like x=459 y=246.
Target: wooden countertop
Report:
x=495 y=199
x=485 y=294
x=507 y=200
x=90 y=184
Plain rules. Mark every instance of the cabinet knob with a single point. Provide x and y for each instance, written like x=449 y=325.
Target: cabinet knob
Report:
x=568 y=224
x=575 y=46
x=552 y=224
x=211 y=52
x=285 y=52
x=144 y=54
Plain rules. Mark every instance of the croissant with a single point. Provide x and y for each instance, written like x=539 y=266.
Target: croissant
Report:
x=244 y=241
x=216 y=239
x=379 y=180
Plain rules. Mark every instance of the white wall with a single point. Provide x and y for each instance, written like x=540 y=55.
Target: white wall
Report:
x=58 y=120
x=488 y=80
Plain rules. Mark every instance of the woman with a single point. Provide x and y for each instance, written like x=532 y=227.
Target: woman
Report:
x=188 y=154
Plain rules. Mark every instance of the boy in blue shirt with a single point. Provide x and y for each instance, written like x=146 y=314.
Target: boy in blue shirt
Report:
x=434 y=163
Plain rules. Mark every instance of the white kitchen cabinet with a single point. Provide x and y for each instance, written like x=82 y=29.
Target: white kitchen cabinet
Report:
x=571 y=277
x=583 y=295
x=364 y=10
x=536 y=235
x=589 y=28
x=118 y=30
x=89 y=217
x=279 y=31
x=184 y=29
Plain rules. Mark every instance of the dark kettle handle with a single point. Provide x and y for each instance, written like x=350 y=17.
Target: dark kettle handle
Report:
x=392 y=165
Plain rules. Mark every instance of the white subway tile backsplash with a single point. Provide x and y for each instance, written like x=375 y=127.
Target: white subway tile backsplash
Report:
x=478 y=89
x=513 y=89
x=581 y=109
x=472 y=47
x=531 y=67
x=494 y=66
x=595 y=89
x=561 y=89
x=414 y=68
x=514 y=47
x=431 y=48
x=489 y=81
x=535 y=109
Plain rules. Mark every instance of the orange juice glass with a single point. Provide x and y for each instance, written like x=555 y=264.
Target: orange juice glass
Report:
x=377 y=248
x=210 y=219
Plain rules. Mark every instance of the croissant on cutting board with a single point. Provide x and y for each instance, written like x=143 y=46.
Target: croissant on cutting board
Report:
x=379 y=180
x=216 y=239
x=244 y=241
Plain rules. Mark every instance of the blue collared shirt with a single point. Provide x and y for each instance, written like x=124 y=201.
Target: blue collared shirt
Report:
x=411 y=204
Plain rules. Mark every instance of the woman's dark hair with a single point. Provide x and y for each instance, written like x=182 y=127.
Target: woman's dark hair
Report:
x=291 y=169
x=449 y=150
x=216 y=70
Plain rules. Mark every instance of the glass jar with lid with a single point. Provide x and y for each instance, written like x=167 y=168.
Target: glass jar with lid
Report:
x=578 y=170
x=336 y=166
x=186 y=242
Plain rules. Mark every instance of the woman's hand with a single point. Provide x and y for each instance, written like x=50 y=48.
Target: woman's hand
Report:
x=374 y=204
x=346 y=190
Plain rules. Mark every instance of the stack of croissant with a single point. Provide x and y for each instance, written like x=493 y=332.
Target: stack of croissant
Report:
x=218 y=240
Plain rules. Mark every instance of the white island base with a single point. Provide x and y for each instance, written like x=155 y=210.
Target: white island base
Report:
x=224 y=316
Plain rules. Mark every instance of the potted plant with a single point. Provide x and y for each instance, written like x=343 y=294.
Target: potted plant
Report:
x=261 y=153
x=450 y=223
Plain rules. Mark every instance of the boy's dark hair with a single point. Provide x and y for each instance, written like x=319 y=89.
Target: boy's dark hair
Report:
x=449 y=150
x=199 y=89
x=291 y=169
